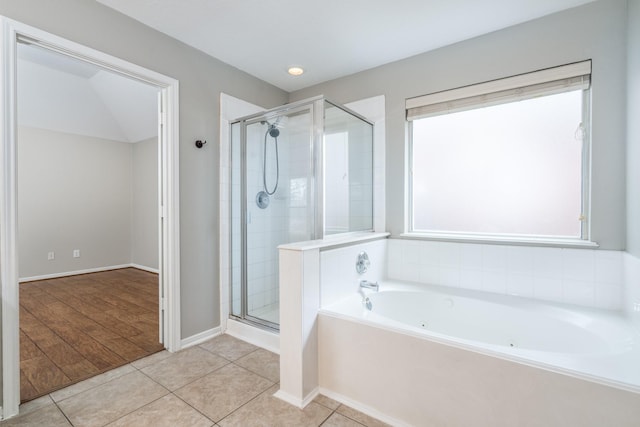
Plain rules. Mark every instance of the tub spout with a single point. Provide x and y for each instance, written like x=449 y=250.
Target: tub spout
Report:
x=369 y=285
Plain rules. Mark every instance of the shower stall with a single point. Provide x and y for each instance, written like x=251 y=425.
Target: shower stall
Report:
x=299 y=172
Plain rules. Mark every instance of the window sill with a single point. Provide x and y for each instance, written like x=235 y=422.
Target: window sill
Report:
x=502 y=240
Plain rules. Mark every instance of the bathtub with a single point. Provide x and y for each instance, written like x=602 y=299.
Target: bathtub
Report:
x=460 y=357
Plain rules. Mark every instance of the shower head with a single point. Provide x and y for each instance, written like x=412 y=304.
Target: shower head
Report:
x=273 y=130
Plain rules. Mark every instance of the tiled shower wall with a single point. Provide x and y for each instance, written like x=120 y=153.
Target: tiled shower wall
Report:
x=264 y=226
x=286 y=218
x=586 y=277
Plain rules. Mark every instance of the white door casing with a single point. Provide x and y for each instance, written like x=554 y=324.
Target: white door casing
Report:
x=168 y=166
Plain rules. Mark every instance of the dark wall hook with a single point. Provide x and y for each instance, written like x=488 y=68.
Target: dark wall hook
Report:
x=200 y=144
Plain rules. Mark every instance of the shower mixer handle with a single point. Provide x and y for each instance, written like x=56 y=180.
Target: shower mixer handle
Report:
x=362 y=263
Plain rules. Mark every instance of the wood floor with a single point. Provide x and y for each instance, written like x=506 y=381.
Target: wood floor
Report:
x=75 y=327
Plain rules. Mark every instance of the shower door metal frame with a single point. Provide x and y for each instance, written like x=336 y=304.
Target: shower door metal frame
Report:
x=316 y=108
x=310 y=105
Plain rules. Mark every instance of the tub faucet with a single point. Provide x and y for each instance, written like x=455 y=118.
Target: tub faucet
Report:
x=369 y=285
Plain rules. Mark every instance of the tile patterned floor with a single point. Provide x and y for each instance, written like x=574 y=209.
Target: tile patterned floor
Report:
x=223 y=382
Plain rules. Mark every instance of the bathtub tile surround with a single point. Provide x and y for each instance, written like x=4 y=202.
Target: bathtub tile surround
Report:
x=337 y=267
x=446 y=382
x=587 y=277
x=231 y=395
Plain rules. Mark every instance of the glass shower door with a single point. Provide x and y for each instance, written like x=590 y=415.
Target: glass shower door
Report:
x=278 y=204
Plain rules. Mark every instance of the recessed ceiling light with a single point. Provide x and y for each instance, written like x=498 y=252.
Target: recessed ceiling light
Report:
x=295 y=71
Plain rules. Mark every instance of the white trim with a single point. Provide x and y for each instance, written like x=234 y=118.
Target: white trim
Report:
x=300 y=403
x=200 y=337
x=73 y=273
x=170 y=264
x=254 y=335
x=8 y=228
x=501 y=239
x=367 y=410
x=86 y=271
x=231 y=108
x=144 y=268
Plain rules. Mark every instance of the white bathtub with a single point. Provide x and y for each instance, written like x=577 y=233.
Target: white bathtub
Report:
x=597 y=345
x=434 y=356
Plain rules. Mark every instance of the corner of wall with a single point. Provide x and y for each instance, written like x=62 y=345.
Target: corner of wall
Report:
x=633 y=129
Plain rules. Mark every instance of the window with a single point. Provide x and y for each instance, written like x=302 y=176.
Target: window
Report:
x=505 y=159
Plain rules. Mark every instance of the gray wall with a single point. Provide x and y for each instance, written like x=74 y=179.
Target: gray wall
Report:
x=144 y=203
x=202 y=78
x=74 y=192
x=633 y=129
x=595 y=31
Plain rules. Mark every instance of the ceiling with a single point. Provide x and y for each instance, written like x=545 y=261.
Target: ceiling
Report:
x=64 y=94
x=328 y=38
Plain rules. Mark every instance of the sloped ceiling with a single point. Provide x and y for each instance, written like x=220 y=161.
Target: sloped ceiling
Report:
x=63 y=94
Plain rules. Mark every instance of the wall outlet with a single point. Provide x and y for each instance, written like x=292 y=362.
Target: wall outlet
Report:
x=76 y=253
x=51 y=256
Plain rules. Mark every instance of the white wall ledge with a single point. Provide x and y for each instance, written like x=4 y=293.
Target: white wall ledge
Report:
x=502 y=240
x=333 y=242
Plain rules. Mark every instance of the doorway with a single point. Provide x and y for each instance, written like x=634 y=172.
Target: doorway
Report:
x=168 y=195
x=87 y=220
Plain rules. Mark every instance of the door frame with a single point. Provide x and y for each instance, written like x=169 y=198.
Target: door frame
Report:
x=169 y=209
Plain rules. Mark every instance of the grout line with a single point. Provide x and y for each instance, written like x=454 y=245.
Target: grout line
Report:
x=173 y=394
x=62 y=412
x=246 y=403
x=143 y=406
x=194 y=408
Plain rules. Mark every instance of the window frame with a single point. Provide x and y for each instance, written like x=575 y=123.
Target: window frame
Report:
x=584 y=240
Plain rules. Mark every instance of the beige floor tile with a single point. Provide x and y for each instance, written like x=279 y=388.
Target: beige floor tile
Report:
x=91 y=383
x=262 y=362
x=168 y=411
x=326 y=401
x=112 y=400
x=35 y=404
x=228 y=347
x=223 y=391
x=184 y=367
x=337 y=420
x=360 y=417
x=49 y=416
x=150 y=360
x=268 y=411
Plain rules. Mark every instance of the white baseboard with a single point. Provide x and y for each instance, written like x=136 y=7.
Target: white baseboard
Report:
x=368 y=410
x=200 y=337
x=145 y=268
x=87 y=271
x=253 y=335
x=299 y=403
x=73 y=273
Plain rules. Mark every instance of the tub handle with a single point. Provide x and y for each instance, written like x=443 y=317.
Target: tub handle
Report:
x=362 y=263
